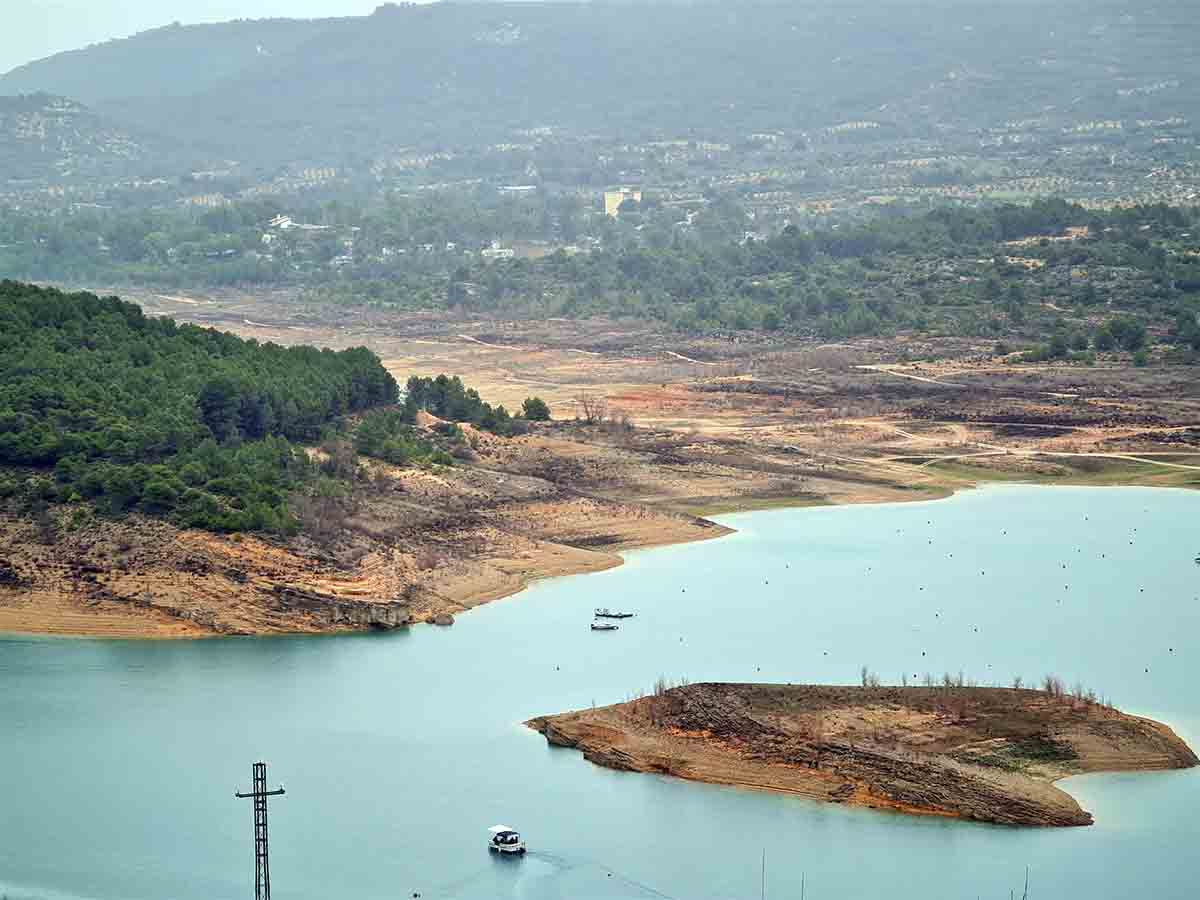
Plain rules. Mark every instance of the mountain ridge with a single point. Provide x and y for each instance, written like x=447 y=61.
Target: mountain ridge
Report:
x=328 y=90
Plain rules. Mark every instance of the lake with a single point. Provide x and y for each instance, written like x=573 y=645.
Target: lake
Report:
x=119 y=759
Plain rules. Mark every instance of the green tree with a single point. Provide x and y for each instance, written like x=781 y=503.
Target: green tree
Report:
x=535 y=409
x=1129 y=333
x=159 y=496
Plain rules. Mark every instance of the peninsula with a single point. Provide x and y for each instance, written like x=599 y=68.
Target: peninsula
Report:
x=192 y=526
x=987 y=754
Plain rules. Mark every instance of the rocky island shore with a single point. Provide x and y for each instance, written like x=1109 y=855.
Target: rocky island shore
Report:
x=987 y=754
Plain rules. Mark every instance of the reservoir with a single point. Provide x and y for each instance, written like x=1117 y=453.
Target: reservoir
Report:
x=119 y=759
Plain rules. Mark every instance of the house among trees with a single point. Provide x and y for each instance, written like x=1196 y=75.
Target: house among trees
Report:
x=614 y=200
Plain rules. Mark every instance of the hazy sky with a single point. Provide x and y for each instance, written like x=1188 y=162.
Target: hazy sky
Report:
x=32 y=29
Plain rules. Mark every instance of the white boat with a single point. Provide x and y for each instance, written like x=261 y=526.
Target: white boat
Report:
x=603 y=626
x=606 y=613
x=502 y=839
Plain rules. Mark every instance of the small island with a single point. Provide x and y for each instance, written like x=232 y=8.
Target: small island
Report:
x=983 y=753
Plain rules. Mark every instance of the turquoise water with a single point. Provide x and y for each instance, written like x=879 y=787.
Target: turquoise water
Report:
x=118 y=760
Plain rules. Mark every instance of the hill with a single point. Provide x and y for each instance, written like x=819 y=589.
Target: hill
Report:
x=172 y=480
x=43 y=135
x=99 y=402
x=173 y=61
x=341 y=90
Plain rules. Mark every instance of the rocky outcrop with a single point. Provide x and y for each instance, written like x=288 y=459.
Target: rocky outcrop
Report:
x=97 y=594
x=601 y=753
x=340 y=612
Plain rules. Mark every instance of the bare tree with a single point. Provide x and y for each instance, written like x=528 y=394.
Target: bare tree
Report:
x=1053 y=685
x=1017 y=682
x=323 y=511
x=592 y=408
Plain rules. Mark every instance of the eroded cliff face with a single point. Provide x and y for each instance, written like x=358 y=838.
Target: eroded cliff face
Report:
x=989 y=754
x=420 y=547
x=341 y=613
x=141 y=577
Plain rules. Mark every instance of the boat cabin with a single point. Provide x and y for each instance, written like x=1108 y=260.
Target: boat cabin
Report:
x=502 y=839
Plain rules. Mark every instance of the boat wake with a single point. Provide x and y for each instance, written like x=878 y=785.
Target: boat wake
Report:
x=540 y=875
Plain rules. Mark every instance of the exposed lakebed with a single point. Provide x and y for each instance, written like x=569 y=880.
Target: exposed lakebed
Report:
x=119 y=759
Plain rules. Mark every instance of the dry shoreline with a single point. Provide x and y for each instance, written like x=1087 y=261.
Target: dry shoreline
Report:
x=168 y=583
x=986 y=754
x=124 y=606
x=751 y=424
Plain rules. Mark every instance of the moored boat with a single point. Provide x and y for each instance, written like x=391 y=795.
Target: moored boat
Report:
x=606 y=613
x=603 y=626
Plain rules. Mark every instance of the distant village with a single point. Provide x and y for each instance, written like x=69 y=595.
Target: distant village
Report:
x=555 y=191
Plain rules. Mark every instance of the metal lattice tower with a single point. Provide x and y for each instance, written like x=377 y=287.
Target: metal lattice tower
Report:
x=262 y=867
